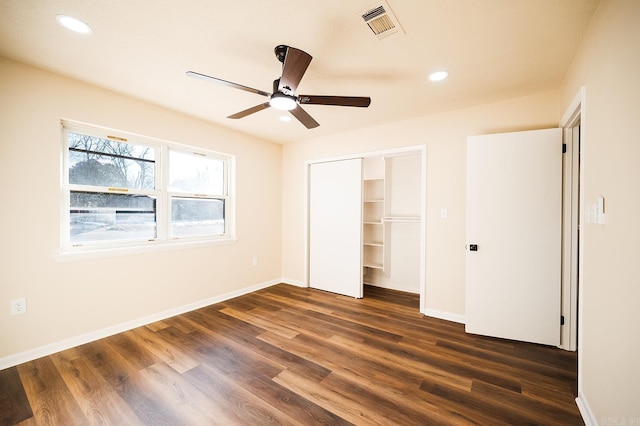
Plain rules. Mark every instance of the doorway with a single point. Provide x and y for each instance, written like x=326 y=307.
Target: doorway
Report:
x=573 y=208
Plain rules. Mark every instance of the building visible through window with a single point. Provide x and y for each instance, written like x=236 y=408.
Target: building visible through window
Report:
x=121 y=190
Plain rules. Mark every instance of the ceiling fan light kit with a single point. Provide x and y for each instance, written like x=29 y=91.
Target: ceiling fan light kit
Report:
x=294 y=65
x=282 y=102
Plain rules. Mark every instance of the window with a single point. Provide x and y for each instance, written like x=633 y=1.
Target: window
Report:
x=196 y=183
x=121 y=190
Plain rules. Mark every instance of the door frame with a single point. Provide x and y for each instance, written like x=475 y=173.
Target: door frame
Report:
x=572 y=234
x=416 y=149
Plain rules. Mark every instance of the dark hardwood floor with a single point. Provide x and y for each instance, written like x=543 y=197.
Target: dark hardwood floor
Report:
x=287 y=355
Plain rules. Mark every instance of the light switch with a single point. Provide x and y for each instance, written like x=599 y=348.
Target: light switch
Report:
x=600 y=211
x=444 y=213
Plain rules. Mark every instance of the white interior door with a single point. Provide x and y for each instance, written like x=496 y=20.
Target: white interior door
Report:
x=514 y=211
x=335 y=227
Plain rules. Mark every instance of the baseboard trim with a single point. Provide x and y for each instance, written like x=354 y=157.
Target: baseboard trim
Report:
x=19 y=358
x=297 y=283
x=585 y=410
x=445 y=316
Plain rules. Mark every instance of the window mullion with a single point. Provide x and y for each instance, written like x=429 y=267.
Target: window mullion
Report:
x=162 y=182
x=230 y=191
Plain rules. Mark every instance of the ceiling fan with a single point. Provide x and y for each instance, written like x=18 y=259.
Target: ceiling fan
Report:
x=294 y=64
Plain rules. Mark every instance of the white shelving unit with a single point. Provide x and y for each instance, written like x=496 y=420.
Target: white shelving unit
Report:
x=373 y=209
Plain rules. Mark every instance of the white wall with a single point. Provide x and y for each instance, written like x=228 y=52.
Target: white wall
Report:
x=445 y=137
x=608 y=65
x=66 y=300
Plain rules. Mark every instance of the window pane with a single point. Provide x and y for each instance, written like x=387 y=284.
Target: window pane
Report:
x=108 y=217
x=194 y=216
x=196 y=174
x=103 y=162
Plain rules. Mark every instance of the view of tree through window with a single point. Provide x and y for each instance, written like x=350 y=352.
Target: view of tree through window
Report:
x=103 y=162
x=193 y=173
x=114 y=191
x=101 y=215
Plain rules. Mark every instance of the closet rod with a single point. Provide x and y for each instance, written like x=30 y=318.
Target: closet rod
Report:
x=401 y=219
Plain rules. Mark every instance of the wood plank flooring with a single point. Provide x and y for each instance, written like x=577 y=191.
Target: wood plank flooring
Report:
x=291 y=356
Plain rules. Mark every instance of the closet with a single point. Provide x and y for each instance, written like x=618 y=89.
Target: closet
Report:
x=364 y=223
x=391 y=222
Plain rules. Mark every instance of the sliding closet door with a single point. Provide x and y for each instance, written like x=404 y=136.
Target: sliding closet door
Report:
x=335 y=227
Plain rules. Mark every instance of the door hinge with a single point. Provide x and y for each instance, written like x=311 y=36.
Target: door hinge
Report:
x=564 y=148
x=561 y=319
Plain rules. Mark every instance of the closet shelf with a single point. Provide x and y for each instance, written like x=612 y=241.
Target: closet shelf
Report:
x=373 y=212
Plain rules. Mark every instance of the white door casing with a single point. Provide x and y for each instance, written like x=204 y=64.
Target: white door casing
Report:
x=514 y=213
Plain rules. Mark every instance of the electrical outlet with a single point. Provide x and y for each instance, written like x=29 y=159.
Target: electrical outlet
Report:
x=254 y=261
x=18 y=306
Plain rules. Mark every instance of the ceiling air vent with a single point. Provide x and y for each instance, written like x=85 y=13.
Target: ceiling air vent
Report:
x=382 y=21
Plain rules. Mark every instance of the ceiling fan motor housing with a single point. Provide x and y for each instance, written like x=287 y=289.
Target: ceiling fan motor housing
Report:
x=281 y=52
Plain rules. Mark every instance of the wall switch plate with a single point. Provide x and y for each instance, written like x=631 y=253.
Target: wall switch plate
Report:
x=254 y=261
x=444 y=213
x=18 y=306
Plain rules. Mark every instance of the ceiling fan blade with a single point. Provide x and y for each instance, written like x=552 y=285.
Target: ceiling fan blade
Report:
x=295 y=64
x=304 y=117
x=226 y=83
x=250 y=111
x=352 y=101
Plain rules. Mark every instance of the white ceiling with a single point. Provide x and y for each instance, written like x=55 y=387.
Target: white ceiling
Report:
x=493 y=49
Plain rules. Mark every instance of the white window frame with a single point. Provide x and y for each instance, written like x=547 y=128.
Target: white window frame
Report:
x=70 y=251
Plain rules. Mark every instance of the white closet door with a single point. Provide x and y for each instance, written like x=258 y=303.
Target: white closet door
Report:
x=514 y=194
x=335 y=227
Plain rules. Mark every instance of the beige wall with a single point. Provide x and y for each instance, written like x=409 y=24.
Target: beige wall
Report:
x=445 y=137
x=68 y=299
x=608 y=65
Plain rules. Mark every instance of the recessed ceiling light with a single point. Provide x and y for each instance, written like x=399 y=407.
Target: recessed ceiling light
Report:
x=74 y=24
x=438 y=75
x=285 y=118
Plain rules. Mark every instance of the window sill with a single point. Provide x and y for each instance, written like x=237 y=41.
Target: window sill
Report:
x=100 y=253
